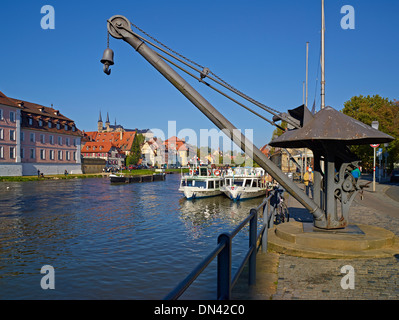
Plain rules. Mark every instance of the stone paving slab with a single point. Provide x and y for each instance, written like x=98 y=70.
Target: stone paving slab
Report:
x=298 y=278
x=320 y=279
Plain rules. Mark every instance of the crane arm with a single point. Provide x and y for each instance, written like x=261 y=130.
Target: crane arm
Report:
x=119 y=27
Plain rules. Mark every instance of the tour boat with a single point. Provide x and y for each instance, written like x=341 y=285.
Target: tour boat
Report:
x=201 y=182
x=244 y=183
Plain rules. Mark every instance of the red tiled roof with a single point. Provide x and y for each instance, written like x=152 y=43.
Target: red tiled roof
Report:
x=38 y=109
x=179 y=144
x=7 y=101
x=38 y=112
x=265 y=149
x=125 y=144
x=93 y=146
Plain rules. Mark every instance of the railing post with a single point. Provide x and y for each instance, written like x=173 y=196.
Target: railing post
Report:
x=266 y=223
x=252 y=245
x=224 y=268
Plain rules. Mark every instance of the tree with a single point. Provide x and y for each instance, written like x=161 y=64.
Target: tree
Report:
x=278 y=132
x=135 y=153
x=386 y=112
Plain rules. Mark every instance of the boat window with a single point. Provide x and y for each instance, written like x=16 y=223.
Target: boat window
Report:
x=248 y=182
x=238 y=183
x=200 y=184
x=216 y=184
x=204 y=171
x=255 y=183
x=188 y=183
x=210 y=185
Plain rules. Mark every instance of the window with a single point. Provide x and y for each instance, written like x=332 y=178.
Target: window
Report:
x=1 y=152
x=1 y=134
x=12 y=152
x=58 y=126
x=12 y=135
x=42 y=138
x=32 y=137
x=12 y=116
x=1 y=114
x=74 y=155
x=66 y=127
x=67 y=155
x=73 y=128
x=32 y=153
x=40 y=123
x=50 y=124
x=30 y=121
x=22 y=136
x=51 y=139
x=51 y=154
x=67 y=141
x=59 y=154
x=22 y=153
x=42 y=154
x=74 y=142
x=60 y=141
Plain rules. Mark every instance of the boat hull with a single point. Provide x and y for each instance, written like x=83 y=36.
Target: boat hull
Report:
x=196 y=193
x=239 y=193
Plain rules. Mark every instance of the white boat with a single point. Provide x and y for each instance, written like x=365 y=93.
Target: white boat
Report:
x=244 y=183
x=201 y=182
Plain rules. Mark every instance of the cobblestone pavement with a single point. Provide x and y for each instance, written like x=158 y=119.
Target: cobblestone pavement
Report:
x=311 y=279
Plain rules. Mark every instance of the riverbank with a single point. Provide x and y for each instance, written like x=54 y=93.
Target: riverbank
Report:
x=83 y=176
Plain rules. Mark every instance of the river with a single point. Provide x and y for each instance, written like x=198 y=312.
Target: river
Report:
x=106 y=241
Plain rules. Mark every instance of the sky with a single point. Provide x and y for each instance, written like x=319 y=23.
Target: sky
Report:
x=257 y=46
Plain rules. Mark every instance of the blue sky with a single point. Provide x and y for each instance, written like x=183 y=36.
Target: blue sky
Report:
x=258 y=46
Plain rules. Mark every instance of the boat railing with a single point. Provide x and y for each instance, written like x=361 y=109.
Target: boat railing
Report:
x=258 y=230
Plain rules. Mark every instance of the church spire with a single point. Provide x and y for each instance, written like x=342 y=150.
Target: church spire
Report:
x=107 y=118
x=100 y=119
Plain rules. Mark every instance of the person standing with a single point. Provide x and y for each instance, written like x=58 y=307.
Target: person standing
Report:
x=308 y=180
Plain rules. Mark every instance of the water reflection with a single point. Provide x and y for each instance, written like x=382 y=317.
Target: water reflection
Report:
x=199 y=214
x=106 y=241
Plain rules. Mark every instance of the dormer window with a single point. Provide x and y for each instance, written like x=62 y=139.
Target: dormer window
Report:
x=73 y=128
x=40 y=123
x=50 y=124
x=30 y=121
x=66 y=127
x=58 y=126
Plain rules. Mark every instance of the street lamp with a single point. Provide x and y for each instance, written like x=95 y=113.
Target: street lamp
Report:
x=374 y=125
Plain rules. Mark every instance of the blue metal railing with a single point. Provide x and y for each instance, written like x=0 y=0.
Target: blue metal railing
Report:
x=225 y=281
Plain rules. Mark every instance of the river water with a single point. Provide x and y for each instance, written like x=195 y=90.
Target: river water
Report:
x=106 y=241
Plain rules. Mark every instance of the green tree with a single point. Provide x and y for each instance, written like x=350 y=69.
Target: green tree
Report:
x=375 y=108
x=135 y=152
x=278 y=132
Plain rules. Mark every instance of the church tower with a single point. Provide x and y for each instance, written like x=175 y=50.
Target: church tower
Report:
x=107 y=123
x=100 y=124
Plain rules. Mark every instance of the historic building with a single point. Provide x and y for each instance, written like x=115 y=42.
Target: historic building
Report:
x=36 y=138
x=104 y=150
